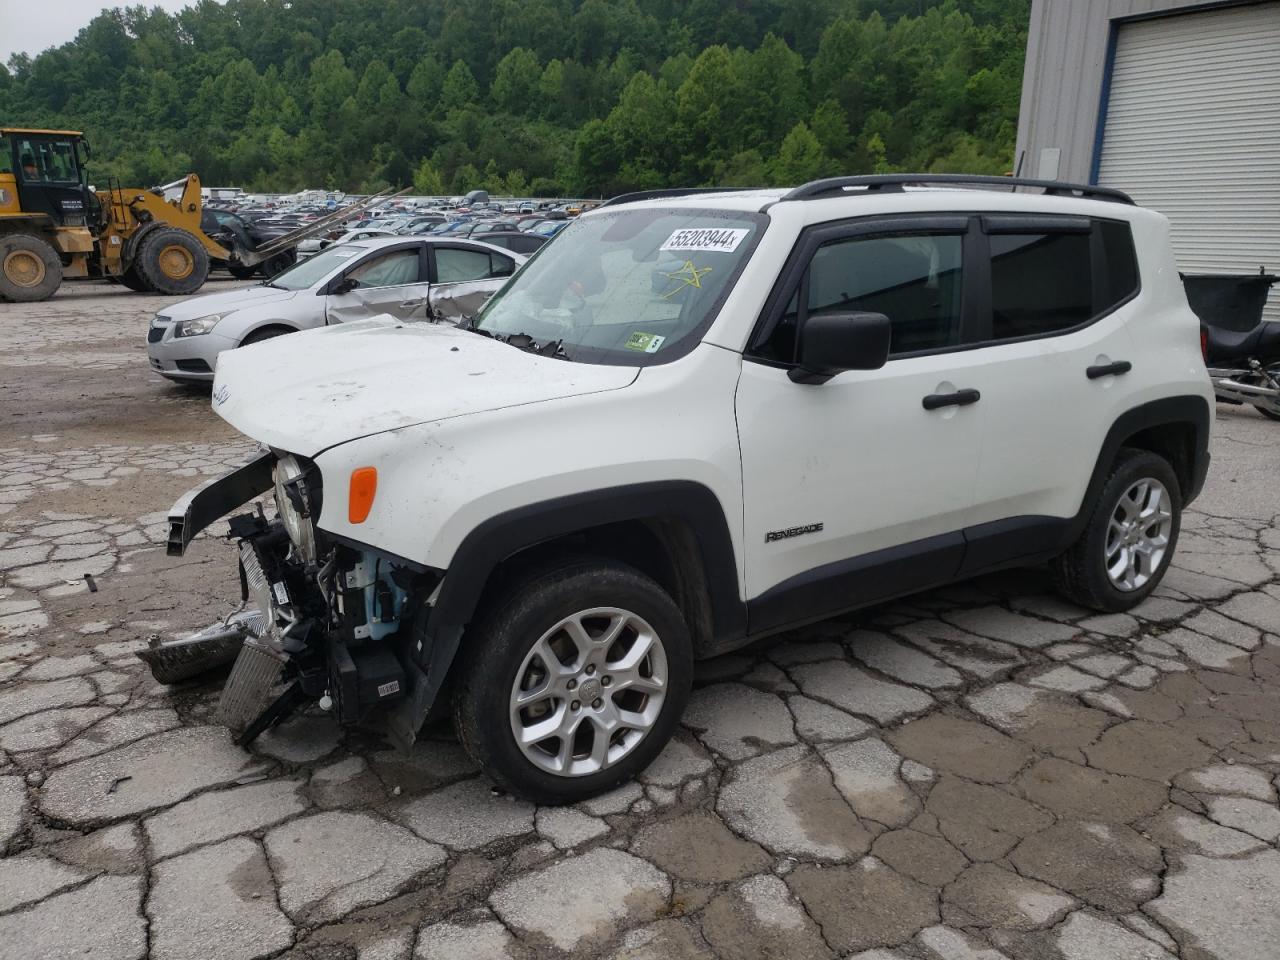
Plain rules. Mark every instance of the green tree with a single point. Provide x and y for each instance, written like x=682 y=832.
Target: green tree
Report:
x=460 y=88
x=586 y=96
x=427 y=180
x=516 y=81
x=800 y=158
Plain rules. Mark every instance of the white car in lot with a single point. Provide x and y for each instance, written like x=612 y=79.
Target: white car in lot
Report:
x=408 y=278
x=703 y=420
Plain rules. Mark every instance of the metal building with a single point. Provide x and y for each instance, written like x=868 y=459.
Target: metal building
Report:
x=1176 y=102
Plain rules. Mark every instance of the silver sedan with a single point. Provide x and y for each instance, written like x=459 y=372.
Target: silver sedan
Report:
x=412 y=278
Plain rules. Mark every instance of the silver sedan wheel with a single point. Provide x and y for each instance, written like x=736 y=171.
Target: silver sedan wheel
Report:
x=1138 y=535
x=588 y=692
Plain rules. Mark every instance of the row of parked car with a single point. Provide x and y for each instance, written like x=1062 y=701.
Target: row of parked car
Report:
x=414 y=261
x=408 y=276
x=521 y=228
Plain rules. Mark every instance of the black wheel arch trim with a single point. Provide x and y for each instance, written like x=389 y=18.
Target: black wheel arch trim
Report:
x=1185 y=409
x=506 y=534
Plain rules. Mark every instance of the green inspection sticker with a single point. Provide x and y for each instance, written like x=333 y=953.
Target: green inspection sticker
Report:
x=644 y=342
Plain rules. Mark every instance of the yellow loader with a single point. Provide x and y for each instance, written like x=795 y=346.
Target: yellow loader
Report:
x=53 y=225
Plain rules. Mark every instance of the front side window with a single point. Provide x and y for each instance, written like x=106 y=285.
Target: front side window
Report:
x=307 y=273
x=1040 y=283
x=626 y=286
x=915 y=280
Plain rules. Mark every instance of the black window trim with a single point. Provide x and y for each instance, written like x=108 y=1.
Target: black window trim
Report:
x=976 y=227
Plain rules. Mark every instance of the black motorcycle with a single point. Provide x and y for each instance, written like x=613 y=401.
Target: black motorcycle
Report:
x=1243 y=364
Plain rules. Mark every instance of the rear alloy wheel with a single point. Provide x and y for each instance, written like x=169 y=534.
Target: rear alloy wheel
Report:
x=172 y=262
x=30 y=268
x=574 y=681
x=1129 y=538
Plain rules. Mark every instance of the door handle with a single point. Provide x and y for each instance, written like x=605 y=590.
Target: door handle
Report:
x=1108 y=369
x=961 y=398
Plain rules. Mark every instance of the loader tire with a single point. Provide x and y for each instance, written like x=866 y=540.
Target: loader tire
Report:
x=131 y=279
x=172 y=262
x=30 y=268
x=241 y=272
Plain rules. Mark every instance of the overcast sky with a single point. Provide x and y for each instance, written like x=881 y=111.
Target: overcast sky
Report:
x=29 y=26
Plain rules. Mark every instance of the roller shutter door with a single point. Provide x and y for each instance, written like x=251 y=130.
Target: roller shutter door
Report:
x=1192 y=129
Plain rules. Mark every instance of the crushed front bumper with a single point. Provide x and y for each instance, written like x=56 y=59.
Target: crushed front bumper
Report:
x=198 y=508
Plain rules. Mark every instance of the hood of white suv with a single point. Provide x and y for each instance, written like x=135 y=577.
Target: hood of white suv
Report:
x=226 y=302
x=310 y=391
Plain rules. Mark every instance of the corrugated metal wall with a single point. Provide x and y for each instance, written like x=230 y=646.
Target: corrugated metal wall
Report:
x=1193 y=130
x=1215 y=173
x=1062 y=79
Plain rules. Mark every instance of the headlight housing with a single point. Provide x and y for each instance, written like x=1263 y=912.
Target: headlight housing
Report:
x=293 y=505
x=196 y=327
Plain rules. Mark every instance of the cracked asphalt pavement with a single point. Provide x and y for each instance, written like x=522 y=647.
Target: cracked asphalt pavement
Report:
x=976 y=773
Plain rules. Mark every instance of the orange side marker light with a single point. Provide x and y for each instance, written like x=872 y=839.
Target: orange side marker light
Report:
x=364 y=485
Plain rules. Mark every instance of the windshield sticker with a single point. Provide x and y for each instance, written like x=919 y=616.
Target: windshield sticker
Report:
x=644 y=342
x=713 y=239
x=686 y=276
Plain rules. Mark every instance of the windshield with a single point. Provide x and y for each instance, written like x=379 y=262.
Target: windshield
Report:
x=625 y=287
x=309 y=272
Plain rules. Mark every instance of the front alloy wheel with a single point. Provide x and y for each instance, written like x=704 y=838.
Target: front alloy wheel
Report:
x=589 y=691
x=572 y=680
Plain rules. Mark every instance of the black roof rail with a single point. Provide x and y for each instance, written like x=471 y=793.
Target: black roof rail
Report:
x=896 y=182
x=669 y=192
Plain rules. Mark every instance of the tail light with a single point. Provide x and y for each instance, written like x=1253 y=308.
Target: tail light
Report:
x=1204 y=344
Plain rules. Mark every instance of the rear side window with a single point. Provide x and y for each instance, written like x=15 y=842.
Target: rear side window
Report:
x=1040 y=283
x=454 y=265
x=1047 y=283
x=1120 y=262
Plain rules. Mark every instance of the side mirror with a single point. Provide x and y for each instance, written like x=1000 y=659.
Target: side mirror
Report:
x=345 y=285
x=831 y=343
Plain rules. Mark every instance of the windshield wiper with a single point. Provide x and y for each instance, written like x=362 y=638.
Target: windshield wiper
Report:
x=522 y=341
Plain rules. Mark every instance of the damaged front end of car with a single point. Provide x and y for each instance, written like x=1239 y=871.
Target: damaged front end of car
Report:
x=333 y=622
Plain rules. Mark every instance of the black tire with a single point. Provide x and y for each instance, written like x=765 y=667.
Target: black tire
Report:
x=1080 y=574
x=131 y=279
x=495 y=648
x=278 y=264
x=30 y=268
x=1269 y=414
x=241 y=272
x=172 y=262
x=266 y=333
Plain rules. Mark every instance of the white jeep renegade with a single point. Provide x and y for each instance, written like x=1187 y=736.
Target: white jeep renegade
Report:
x=696 y=419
